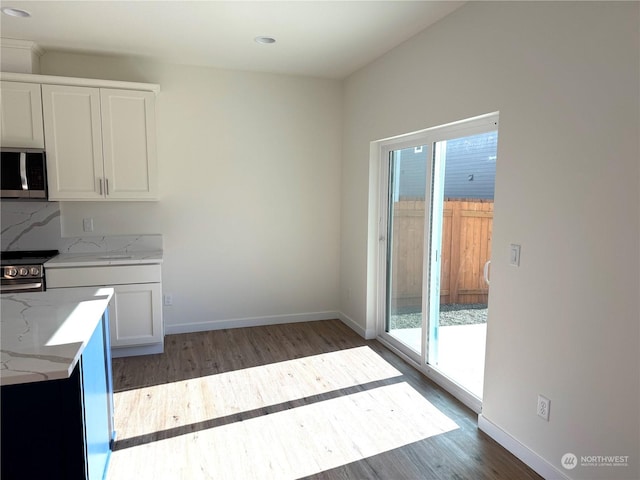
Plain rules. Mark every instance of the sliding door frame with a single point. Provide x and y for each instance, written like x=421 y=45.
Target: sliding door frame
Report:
x=382 y=151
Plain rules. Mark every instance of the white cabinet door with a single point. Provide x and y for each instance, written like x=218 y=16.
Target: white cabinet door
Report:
x=135 y=315
x=101 y=143
x=73 y=142
x=21 y=115
x=129 y=143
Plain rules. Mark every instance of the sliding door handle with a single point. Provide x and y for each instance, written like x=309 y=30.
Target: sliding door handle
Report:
x=486 y=271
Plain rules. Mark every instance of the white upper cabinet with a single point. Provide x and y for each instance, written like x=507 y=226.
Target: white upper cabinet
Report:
x=73 y=142
x=100 y=143
x=21 y=115
x=129 y=143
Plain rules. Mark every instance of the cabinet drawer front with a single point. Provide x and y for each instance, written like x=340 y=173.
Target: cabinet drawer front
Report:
x=102 y=276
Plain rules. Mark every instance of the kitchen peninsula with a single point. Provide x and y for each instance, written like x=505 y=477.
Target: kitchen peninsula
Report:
x=57 y=393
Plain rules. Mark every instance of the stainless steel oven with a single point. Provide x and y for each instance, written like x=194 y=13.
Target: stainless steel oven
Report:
x=23 y=271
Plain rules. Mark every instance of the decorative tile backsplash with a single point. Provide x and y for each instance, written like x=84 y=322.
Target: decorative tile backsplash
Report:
x=36 y=226
x=29 y=225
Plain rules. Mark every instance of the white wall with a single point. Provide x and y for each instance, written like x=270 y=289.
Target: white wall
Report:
x=249 y=172
x=565 y=79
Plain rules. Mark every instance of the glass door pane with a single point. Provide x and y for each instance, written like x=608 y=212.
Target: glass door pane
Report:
x=435 y=263
x=405 y=246
x=460 y=249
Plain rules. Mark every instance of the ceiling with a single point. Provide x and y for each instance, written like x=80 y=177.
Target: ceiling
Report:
x=330 y=39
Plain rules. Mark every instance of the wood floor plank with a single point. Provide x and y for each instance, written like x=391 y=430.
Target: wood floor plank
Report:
x=305 y=400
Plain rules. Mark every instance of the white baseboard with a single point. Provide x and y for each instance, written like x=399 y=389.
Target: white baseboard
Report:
x=534 y=461
x=249 y=322
x=367 y=334
x=349 y=322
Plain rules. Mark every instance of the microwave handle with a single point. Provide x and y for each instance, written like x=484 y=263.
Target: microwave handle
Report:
x=23 y=171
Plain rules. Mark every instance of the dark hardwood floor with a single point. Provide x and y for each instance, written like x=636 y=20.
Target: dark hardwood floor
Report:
x=305 y=400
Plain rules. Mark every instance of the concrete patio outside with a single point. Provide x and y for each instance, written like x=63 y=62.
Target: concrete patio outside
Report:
x=461 y=352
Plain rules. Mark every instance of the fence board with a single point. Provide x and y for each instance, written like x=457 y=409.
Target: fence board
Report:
x=408 y=246
x=467 y=229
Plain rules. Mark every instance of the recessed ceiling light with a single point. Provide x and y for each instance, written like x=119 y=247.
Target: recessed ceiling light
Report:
x=15 y=12
x=265 y=40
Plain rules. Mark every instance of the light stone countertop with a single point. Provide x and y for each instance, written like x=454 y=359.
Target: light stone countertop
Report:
x=43 y=334
x=97 y=259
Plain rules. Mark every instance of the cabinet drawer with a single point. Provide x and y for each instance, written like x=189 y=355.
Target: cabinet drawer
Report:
x=102 y=276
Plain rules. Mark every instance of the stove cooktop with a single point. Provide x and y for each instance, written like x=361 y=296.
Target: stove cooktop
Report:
x=26 y=257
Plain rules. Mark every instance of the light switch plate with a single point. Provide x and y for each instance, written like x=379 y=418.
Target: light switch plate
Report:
x=514 y=255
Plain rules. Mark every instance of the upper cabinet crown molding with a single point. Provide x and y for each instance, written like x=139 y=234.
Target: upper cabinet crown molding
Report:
x=78 y=82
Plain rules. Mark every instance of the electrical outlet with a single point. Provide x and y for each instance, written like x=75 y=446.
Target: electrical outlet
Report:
x=543 y=407
x=168 y=300
x=87 y=224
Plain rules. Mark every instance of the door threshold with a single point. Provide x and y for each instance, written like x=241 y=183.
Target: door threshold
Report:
x=468 y=399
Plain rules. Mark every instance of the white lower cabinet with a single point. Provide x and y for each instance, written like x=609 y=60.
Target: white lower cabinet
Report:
x=135 y=313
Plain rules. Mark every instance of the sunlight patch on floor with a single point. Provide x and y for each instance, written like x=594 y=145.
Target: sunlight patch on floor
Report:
x=292 y=443
x=199 y=399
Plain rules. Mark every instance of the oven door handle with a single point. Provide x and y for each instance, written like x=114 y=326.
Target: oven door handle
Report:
x=23 y=170
x=24 y=286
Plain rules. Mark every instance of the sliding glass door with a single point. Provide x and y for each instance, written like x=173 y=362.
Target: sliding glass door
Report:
x=437 y=220
x=405 y=246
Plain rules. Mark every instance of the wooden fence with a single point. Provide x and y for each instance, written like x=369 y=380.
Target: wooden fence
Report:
x=466 y=247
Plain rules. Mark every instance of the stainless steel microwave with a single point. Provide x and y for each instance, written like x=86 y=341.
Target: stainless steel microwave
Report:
x=23 y=173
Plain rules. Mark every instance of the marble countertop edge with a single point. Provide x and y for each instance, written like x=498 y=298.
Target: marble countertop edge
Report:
x=15 y=377
x=43 y=334
x=65 y=260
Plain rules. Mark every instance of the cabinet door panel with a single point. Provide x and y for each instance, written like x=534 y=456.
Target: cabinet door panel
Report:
x=74 y=142
x=21 y=115
x=136 y=315
x=128 y=129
